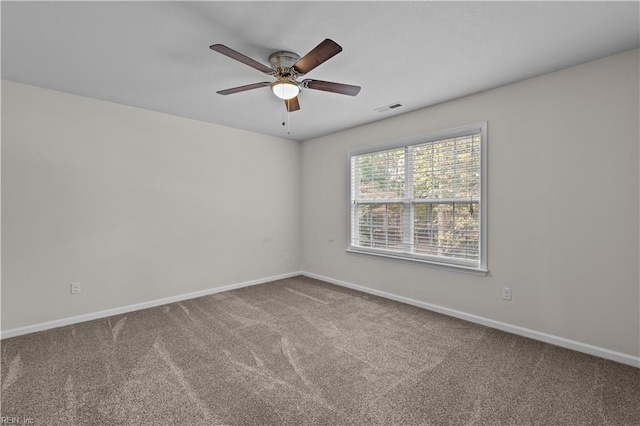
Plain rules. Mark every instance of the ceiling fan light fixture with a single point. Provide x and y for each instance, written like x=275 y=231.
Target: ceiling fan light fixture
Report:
x=285 y=89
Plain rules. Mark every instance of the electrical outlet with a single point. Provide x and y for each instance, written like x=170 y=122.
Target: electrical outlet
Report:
x=506 y=293
x=75 y=288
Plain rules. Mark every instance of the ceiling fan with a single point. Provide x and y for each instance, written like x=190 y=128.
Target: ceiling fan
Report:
x=286 y=67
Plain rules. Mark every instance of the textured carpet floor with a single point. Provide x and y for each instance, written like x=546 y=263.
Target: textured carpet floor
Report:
x=303 y=352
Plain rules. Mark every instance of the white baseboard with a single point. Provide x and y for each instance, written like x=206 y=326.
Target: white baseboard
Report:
x=135 y=307
x=622 y=358
x=509 y=328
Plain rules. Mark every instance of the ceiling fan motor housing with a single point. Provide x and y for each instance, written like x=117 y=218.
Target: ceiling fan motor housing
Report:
x=282 y=61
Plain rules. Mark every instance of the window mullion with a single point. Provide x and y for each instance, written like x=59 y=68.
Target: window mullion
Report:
x=407 y=208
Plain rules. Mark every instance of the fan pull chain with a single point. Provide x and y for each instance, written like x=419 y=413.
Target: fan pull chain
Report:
x=287 y=122
x=283 y=120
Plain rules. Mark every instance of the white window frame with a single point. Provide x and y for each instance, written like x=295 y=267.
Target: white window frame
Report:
x=437 y=262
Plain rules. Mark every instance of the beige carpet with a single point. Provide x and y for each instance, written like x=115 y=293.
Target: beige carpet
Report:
x=304 y=352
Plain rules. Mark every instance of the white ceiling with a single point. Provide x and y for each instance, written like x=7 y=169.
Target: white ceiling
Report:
x=155 y=55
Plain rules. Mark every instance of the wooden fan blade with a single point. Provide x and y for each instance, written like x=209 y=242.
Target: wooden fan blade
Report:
x=221 y=48
x=243 y=88
x=321 y=53
x=327 y=86
x=292 y=104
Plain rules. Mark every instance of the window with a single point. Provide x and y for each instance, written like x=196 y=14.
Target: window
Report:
x=422 y=199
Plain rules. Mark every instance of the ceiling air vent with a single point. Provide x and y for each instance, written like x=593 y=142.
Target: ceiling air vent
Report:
x=389 y=107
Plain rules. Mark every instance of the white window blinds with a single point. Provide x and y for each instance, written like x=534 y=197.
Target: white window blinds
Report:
x=421 y=199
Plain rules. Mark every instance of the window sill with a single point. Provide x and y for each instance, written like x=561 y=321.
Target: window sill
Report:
x=437 y=265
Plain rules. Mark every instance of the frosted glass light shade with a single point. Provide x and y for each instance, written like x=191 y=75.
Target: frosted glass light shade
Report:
x=285 y=89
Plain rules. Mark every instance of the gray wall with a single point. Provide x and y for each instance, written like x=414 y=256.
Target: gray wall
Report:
x=135 y=205
x=563 y=206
